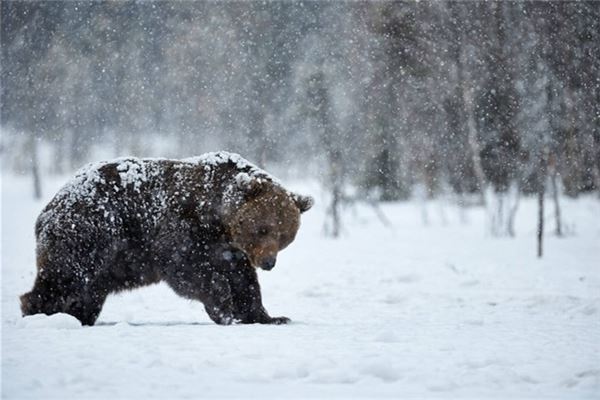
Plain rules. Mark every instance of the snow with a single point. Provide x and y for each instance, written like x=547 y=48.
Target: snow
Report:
x=54 y=321
x=438 y=310
x=132 y=172
x=213 y=159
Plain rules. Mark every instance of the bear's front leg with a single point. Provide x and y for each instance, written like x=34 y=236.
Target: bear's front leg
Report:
x=219 y=302
x=247 y=300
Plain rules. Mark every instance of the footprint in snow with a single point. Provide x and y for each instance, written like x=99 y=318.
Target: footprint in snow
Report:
x=410 y=278
x=594 y=373
x=589 y=310
x=442 y=387
x=387 y=336
x=473 y=322
x=382 y=370
x=478 y=364
x=528 y=379
x=393 y=299
x=580 y=377
x=315 y=292
x=300 y=371
x=333 y=376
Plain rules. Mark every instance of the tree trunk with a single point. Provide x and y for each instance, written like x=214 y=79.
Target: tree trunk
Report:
x=467 y=94
x=557 y=216
x=336 y=182
x=35 y=169
x=513 y=210
x=335 y=214
x=472 y=138
x=541 y=193
x=540 y=227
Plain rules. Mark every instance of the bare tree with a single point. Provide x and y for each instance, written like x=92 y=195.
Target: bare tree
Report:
x=320 y=109
x=543 y=156
x=35 y=167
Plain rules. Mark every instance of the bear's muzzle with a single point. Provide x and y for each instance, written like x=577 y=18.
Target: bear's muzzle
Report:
x=268 y=263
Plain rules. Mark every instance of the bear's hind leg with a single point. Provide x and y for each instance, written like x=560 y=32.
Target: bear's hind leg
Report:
x=32 y=303
x=44 y=298
x=51 y=296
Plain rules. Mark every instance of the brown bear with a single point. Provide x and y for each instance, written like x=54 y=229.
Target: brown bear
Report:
x=202 y=225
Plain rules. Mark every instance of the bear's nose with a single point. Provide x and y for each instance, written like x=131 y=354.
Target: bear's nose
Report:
x=268 y=263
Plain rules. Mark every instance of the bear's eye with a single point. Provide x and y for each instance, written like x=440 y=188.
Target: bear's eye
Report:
x=263 y=231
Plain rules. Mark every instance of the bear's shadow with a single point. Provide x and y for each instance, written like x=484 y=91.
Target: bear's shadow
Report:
x=174 y=323
x=153 y=323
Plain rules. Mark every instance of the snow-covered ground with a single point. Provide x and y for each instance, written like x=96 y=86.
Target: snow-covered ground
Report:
x=438 y=311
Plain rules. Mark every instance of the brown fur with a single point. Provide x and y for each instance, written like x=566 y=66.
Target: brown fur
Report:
x=200 y=226
x=264 y=224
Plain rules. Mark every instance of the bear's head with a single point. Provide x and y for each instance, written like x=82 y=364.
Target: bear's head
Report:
x=265 y=220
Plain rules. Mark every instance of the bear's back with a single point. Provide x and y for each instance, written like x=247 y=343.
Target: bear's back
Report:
x=135 y=194
x=104 y=196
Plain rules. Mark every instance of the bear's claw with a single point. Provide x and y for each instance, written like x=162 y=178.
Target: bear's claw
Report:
x=279 y=321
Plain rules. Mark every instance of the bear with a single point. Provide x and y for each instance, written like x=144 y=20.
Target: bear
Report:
x=203 y=225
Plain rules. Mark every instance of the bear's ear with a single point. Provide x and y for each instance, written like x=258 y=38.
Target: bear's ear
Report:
x=251 y=187
x=304 y=203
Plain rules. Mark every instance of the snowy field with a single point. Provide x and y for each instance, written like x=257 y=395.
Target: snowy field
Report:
x=437 y=311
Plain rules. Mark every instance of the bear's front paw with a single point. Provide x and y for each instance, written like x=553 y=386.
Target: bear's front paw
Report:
x=279 y=321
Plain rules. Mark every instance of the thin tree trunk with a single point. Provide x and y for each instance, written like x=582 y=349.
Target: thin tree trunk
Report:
x=513 y=212
x=472 y=138
x=557 y=216
x=35 y=170
x=541 y=193
x=462 y=209
x=467 y=95
x=596 y=172
x=595 y=160
x=335 y=177
x=335 y=214
x=384 y=220
x=500 y=221
x=540 y=227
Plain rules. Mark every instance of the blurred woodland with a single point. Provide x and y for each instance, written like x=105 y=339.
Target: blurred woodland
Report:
x=379 y=100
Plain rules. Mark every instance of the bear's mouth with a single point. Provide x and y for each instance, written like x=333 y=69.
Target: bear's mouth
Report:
x=256 y=261
x=268 y=263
